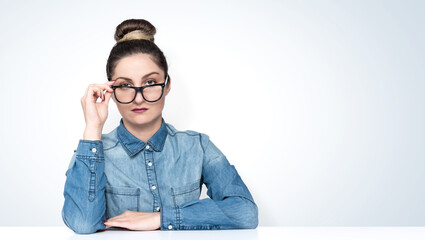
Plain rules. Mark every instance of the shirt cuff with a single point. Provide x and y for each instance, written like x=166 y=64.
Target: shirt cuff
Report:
x=170 y=218
x=90 y=148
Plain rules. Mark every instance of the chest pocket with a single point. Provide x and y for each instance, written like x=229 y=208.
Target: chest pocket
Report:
x=186 y=193
x=121 y=199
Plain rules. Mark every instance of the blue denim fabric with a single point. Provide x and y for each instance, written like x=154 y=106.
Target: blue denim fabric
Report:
x=105 y=178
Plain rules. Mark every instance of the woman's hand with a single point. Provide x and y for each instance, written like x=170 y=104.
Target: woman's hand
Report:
x=135 y=221
x=95 y=113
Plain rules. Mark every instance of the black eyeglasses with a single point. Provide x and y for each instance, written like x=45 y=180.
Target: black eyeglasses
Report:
x=151 y=93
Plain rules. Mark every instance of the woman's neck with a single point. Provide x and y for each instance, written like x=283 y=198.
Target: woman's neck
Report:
x=146 y=131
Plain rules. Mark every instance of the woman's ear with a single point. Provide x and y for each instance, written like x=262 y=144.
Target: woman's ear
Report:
x=168 y=86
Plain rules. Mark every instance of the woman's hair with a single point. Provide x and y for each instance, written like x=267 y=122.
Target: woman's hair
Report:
x=135 y=36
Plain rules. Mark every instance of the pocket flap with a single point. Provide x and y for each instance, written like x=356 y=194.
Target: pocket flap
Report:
x=123 y=190
x=187 y=188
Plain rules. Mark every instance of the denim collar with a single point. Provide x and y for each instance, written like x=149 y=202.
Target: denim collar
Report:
x=133 y=145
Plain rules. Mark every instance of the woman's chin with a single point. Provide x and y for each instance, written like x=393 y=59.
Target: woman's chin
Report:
x=140 y=119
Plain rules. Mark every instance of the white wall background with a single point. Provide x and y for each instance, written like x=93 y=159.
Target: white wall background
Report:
x=319 y=104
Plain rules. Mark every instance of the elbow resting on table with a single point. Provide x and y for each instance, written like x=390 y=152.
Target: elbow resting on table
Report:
x=250 y=220
x=79 y=226
x=247 y=215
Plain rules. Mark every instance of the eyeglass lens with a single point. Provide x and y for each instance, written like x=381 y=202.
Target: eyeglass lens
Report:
x=126 y=95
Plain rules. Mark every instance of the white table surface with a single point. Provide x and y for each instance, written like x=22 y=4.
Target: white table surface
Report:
x=263 y=233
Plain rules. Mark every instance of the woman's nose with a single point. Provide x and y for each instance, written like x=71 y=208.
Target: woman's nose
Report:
x=139 y=98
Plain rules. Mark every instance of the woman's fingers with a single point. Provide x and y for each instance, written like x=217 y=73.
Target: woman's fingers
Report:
x=122 y=221
x=94 y=87
x=108 y=85
x=96 y=91
x=108 y=91
x=136 y=221
x=107 y=97
x=123 y=224
x=120 y=218
x=92 y=93
x=95 y=112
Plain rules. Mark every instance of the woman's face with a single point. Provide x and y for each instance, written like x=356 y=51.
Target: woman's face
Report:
x=139 y=70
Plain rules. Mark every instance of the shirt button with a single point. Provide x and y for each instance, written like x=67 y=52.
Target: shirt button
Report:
x=170 y=226
x=153 y=187
x=150 y=164
x=147 y=146
x=157 y=209
x=93 y=150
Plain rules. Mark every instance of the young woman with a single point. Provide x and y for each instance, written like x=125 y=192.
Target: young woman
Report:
x=145 y=174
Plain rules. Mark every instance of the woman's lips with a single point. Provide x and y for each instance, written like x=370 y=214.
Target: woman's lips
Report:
x=139 y=110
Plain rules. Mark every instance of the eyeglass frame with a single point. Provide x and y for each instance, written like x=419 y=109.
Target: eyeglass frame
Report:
x=140 y=89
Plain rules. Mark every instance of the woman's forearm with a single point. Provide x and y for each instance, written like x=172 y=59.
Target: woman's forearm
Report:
x=84 y=206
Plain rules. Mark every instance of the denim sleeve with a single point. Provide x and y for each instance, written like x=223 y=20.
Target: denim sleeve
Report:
x=230 y=205
x=84 y=207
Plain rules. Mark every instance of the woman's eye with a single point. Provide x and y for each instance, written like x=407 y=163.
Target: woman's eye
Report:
x=124 y=85
x=150 y=82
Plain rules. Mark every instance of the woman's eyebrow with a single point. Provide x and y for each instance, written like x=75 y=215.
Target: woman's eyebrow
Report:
x=128 y=79
x=147 y=75
x=124 y=78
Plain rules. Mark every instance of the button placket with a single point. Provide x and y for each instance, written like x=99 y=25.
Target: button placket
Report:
x=151 y=174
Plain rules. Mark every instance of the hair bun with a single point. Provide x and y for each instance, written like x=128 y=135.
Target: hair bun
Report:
x=132 y=29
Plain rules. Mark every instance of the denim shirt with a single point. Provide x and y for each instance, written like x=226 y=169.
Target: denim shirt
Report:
x=121 y=172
